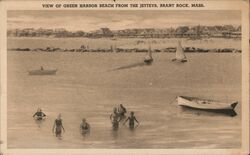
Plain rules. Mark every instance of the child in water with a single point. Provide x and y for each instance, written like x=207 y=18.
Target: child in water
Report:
x=84 y=127
x=58 y=127
x=39 y=115
x=132 y=120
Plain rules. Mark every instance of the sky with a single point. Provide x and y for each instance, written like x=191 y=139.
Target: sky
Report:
x=89 y=20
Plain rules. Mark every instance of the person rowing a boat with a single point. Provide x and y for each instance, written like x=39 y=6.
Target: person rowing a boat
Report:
x=132 y=120
x=115 y=119
x=58 y=127
x=122 y=110
x=39 y=115
x=84 y=127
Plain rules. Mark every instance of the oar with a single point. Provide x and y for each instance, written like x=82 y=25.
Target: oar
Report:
x=173 y=100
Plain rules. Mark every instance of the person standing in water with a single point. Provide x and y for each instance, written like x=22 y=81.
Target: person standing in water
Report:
x=84 y=127
x=122 y=110
x=115 y=119
x=39 y=115
x=58 y=127
x=132 y=120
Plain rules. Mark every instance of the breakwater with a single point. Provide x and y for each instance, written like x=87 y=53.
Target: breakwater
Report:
x=117 y=50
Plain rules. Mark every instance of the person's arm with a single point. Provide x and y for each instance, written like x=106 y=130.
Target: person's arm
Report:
x=124 y=109
x=88 y=127
x=54 y=126
x=63 y=128
x=136 y=120
x=80 y=127
x=125 y=121
x=34 y=114
x=111 y=117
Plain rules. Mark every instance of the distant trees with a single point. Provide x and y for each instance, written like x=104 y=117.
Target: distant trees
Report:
x=181 y=31
x=79 y=34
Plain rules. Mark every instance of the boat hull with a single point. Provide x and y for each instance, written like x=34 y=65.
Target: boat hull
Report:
x=148 y=61
x=42 y=72
x=207 y=105
x=179 y=60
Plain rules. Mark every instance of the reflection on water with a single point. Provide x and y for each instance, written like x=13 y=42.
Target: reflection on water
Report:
x=114 y=133
x=39 y=122
x=84 y=88
x=139 y=64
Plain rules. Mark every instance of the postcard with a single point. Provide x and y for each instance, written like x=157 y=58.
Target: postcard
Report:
x=125 y=76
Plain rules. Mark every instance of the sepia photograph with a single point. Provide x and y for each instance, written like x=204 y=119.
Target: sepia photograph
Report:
x=124 y=79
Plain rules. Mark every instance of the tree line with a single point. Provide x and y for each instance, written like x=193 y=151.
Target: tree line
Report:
x=226 y=31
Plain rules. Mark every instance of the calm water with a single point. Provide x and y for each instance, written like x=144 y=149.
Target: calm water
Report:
x=85 y=87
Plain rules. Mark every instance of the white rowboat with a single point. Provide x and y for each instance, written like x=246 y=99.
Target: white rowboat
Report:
x=208 y=105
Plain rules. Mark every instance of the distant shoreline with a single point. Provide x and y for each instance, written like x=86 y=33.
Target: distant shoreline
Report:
x=197 y=32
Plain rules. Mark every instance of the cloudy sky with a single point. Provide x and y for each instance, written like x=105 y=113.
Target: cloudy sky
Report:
x=93 y=20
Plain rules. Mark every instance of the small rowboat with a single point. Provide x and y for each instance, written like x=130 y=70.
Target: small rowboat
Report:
x=42 y=72
x=148 y=58
x=208 y=105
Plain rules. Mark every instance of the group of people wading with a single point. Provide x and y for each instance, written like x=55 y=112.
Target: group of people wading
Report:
x=118 y=116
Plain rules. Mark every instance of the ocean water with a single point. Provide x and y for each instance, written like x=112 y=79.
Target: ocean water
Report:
x=88 y=85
